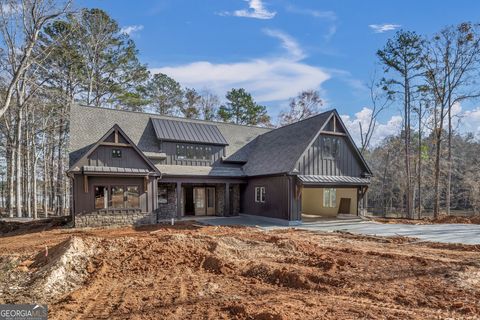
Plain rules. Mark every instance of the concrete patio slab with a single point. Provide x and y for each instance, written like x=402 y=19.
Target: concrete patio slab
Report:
x=446 y=233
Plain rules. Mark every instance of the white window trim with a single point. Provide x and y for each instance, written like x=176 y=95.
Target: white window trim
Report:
x=331 y=202
x=260 y=194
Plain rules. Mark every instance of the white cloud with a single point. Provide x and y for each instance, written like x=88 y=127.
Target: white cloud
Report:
x=267 y=78
x=381 y=28
x=256 y=10
x=289 y=43
x=382 y=130
x=470 y=121
x=130 y=30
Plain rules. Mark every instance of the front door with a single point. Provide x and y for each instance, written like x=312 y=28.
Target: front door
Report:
x=199 y=201
x=210 y=201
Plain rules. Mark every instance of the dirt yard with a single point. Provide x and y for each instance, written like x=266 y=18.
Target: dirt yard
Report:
x=475 y=219
x=193 y=272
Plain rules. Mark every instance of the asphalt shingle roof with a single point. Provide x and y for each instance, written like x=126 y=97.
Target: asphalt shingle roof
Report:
x=277 y=151
x=89 y=124
x=264 y=150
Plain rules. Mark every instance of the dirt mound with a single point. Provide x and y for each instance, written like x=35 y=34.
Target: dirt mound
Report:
x=455 y=219
x=10 y=228
x=49 y=276
x=65 y=268
x=441 y=219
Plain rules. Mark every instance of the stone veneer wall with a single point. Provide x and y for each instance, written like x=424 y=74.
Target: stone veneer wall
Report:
x=236 y=200
x=116 y=218
x=219 y=199
x=168 y=210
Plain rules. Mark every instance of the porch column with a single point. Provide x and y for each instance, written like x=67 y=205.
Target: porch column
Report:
x=226 y=210
x=179 y=200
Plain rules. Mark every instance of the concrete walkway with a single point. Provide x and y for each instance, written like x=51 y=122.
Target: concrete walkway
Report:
x=447 y=233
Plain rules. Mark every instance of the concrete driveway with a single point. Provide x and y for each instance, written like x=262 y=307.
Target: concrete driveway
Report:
x=447 y=233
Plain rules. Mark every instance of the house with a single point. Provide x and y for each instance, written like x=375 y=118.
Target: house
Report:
x=131 y=167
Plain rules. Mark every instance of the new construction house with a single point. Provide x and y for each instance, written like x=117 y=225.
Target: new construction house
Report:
x=132 y=167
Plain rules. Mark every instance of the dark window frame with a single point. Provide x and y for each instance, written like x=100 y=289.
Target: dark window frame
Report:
x=109 y=195
x=330 y=147
x=202 y=153
x=116 y=153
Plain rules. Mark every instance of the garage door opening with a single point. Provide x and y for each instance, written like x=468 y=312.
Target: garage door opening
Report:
x=329 y=202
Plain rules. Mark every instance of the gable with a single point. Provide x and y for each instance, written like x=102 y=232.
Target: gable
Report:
x=278 y=150
x=114 y=150
x=332 y=152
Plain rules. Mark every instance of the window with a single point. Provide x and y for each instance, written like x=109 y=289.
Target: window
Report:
x=208 y=153
x=101 y=197
x=193 y=152
x=329 y=198
x=330 y=147
x=162 y=196
x=259 y=194
x=133 y=197
x=190 y=152
x=117 y=197
x=116 y=153
x=181 y=152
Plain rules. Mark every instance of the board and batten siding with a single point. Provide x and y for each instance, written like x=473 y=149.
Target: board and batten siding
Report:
x=170 y=149
x=346 y=163
x=102 y=157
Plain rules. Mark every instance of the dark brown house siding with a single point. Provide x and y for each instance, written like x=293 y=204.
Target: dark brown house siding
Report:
x=84 y=202
x=346 y=163
x=276 y=203
x=102 y=156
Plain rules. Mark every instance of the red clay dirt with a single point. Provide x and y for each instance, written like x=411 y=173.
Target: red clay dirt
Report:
x=190 y=272
x=440 y=220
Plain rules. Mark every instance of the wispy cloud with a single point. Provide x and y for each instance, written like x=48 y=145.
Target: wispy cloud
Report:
x=130 y=30
x=256 y=10
x=328 y=16
x=288 y=43
x=381 y=28
x=267 y=78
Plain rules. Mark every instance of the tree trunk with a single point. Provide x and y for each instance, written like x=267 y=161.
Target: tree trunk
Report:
x=10 y=163
x=419 y=178
x=449 y=161
x=408 y=204
x=18 y=169
x=436 y=205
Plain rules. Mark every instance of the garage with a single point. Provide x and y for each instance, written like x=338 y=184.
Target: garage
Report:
x=328 y=201
x=329 y=196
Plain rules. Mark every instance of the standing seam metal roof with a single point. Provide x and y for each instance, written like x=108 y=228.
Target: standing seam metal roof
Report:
x=171 y=130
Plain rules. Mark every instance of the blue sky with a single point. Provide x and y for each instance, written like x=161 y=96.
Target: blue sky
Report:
x=275 y=48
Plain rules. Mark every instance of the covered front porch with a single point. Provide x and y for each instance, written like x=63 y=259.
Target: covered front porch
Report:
x=196 y=197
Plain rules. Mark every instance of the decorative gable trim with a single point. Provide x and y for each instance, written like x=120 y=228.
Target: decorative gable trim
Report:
x=338 y=124
x=118 y=134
